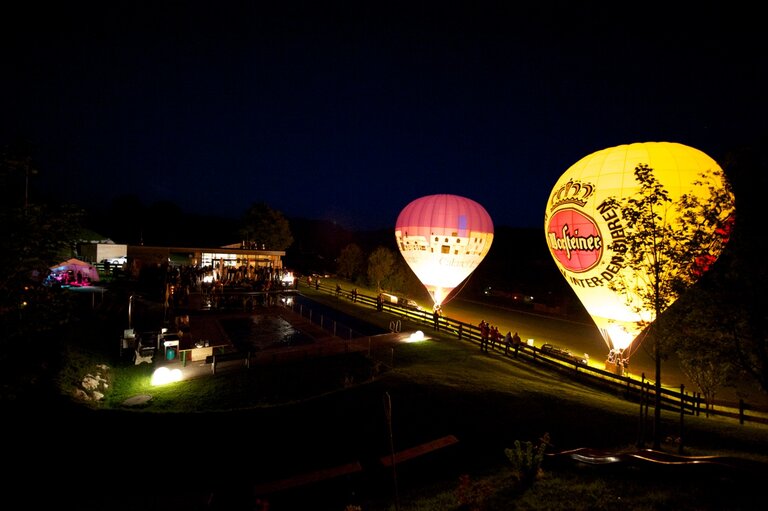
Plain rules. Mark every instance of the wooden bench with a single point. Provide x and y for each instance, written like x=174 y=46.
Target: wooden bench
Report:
x=419 y=450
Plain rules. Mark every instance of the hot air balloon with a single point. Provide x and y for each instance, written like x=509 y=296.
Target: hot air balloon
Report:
x=443 y=238
x=587 y=234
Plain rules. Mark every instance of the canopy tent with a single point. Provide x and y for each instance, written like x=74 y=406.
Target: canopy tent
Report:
x=87 y=272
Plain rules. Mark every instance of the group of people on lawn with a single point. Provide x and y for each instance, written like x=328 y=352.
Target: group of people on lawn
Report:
x=490 y=336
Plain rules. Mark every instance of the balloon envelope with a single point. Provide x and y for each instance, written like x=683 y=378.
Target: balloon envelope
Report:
x=585 y=238
x=443 y=238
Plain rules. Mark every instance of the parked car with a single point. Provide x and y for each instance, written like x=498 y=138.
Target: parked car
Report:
x=401 y=301
x=564 y=354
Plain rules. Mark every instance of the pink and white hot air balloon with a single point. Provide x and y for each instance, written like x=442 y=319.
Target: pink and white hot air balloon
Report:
x=443 y=238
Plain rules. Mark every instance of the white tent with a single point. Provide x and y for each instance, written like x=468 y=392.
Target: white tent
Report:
x=86 y=271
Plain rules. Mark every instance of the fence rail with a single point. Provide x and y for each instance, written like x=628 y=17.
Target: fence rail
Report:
x=638 y=390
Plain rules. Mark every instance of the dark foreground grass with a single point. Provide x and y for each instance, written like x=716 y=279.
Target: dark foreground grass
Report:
x=206 y=444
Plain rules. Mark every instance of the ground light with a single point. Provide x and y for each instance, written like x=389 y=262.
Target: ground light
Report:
x=163 y=376
x=416 y=336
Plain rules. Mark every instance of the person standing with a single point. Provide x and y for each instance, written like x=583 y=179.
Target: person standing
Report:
x=483 y=335
x=507 y=342
x=495 y=337
x=436 y=317
x=516 y=343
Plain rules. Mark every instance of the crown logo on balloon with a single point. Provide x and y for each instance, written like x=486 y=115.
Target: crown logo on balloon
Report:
x=572 y=192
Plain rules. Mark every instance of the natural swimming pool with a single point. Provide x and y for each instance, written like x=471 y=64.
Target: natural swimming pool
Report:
x=266 y=329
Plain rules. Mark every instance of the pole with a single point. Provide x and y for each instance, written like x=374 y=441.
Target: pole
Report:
x=130 y=307
x=657 y=400
x=682 y=417
x=388 y=413
x=640 y=440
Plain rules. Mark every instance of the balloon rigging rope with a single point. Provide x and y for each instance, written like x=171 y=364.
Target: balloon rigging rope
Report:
x=455 y=292
x=637 y=343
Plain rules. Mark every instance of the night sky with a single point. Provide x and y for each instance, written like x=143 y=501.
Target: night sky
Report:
x=347 y=111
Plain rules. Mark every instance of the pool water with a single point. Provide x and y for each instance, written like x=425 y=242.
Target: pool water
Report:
x=259 y=331
x=262 y=331
x=302 y=305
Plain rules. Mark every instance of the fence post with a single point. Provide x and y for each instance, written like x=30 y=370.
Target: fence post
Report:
x=682 y=416
x=641 y=422
x=741 y=412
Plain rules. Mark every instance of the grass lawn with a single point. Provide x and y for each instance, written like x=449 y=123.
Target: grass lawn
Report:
x=221 y=435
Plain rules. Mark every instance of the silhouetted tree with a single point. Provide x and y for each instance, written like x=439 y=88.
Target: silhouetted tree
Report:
x=266 y=227
x=35 y=237
x=662 y=260
x=381 y=265
x=703 y=347
x=351 y=262
x=741 y=275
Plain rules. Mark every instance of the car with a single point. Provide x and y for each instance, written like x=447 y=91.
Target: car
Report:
x=409 y=304
x=564 y=354
x=400 y=301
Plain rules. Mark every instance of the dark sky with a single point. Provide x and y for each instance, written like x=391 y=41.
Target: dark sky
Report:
x=347 y=111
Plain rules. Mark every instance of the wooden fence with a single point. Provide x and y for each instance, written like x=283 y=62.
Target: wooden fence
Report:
x=636 y=389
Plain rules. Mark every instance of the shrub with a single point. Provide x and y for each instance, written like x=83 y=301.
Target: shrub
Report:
x=526 y=458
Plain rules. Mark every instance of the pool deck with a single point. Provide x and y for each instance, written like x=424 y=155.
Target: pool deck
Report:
x=207 y=327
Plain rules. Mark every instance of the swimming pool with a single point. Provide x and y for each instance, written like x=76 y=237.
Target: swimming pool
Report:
x=346 y=326
x=261 y=329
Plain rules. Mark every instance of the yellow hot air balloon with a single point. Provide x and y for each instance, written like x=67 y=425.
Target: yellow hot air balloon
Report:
x=587 y=231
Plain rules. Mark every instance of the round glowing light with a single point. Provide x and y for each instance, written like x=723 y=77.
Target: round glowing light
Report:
x=443 y=238
x=587 y=238
x=416 y=336
x=163 y=375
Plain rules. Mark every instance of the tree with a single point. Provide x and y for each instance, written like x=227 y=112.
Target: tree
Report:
x=351 y=262
x=703 y=347
x=662 y=259
x=35 y=238
x=266 y=228
x=743 y=275
x=381 y=265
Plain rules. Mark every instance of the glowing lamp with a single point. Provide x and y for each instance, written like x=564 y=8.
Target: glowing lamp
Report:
x=163 y=375
x=587 y=237
x=443 y=238
x=416 y=336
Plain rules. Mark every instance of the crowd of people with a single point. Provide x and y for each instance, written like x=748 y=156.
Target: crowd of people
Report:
x=490 y=336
